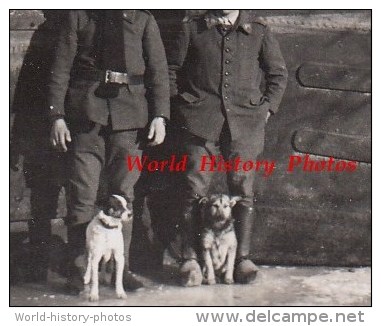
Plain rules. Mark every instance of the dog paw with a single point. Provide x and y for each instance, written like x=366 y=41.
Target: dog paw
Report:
x=228 y=281
x=93 y=297
x=121 y=295
x=211 y=281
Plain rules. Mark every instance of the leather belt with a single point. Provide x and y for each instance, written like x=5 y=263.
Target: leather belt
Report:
x=111 y=77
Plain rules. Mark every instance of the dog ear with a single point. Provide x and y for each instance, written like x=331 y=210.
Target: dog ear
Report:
x=234 y=200
x=114 y=203
x=122 y=201
x=115 y=207
x=203 y=200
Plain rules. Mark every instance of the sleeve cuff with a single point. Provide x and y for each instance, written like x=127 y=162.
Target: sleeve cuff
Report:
x=56 y=117
x=163 y=117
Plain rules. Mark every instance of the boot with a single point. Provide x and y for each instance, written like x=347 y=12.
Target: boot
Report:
x=245 y=270
x=43 y=204
x=76 y=267
x=190 y=273
x=130 y=281
x=39 y=240
x=190 y=270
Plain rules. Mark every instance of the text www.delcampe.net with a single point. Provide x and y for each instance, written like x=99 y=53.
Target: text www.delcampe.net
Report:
x=277 y=317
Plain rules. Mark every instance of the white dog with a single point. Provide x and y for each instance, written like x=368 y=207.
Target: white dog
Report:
x=103 y=239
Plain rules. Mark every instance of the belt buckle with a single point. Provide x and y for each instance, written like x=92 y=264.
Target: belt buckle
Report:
x=116 y=77
x=108 y=76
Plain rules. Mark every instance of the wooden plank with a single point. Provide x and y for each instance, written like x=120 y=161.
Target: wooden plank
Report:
x=335 y=77
x=322 y=143
x=25 y=19
x=310 y=237
x=35 y=19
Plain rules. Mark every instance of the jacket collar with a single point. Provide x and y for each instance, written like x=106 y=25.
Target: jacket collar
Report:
x=243 y=22
x=129 y=15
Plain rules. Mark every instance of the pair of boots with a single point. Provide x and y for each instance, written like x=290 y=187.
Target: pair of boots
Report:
x=245 y=270
x=77 y=258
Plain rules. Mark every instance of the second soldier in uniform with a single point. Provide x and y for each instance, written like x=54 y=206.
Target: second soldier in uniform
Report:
x=216 y=69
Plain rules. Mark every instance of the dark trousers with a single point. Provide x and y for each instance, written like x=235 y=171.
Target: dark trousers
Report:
x=240 y=183
x=196 y=183
x=96 y=149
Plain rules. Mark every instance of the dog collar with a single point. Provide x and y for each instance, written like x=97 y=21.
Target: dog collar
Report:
x=226 y=228
x=108 y=226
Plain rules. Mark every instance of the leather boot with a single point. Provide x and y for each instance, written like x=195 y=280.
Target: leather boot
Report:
x=43 y=203
x=130 y=281
x=39 y=240
x=190 y=273
x=76 y=236
x=190 y=270
x=245 y=270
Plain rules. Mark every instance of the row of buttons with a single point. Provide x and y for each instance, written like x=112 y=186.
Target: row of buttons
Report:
x=227 y=72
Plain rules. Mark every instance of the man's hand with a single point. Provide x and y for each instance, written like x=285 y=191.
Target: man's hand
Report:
x=268 y=116
x=156 y=132
x=59 y=135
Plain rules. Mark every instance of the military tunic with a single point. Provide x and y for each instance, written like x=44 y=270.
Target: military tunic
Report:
x=215 y=78
x=106 y=121
x=71 y=92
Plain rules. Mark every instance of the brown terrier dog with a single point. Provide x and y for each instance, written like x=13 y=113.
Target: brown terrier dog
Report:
x=218 y=239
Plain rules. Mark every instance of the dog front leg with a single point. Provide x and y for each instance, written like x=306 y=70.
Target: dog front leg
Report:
x=230 y=259
x=209 y=277
x=87 y=277
x=94 y=289
x=119 y=264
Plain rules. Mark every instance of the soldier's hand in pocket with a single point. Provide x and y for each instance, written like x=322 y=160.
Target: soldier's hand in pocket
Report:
x=156 y=132
x=59 y=135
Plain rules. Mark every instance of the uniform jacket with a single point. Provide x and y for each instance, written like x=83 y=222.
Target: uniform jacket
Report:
x=213 y=76
x=78 y=49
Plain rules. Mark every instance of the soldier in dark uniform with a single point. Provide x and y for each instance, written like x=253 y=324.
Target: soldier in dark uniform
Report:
x=216 y=69
x=109 y=81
